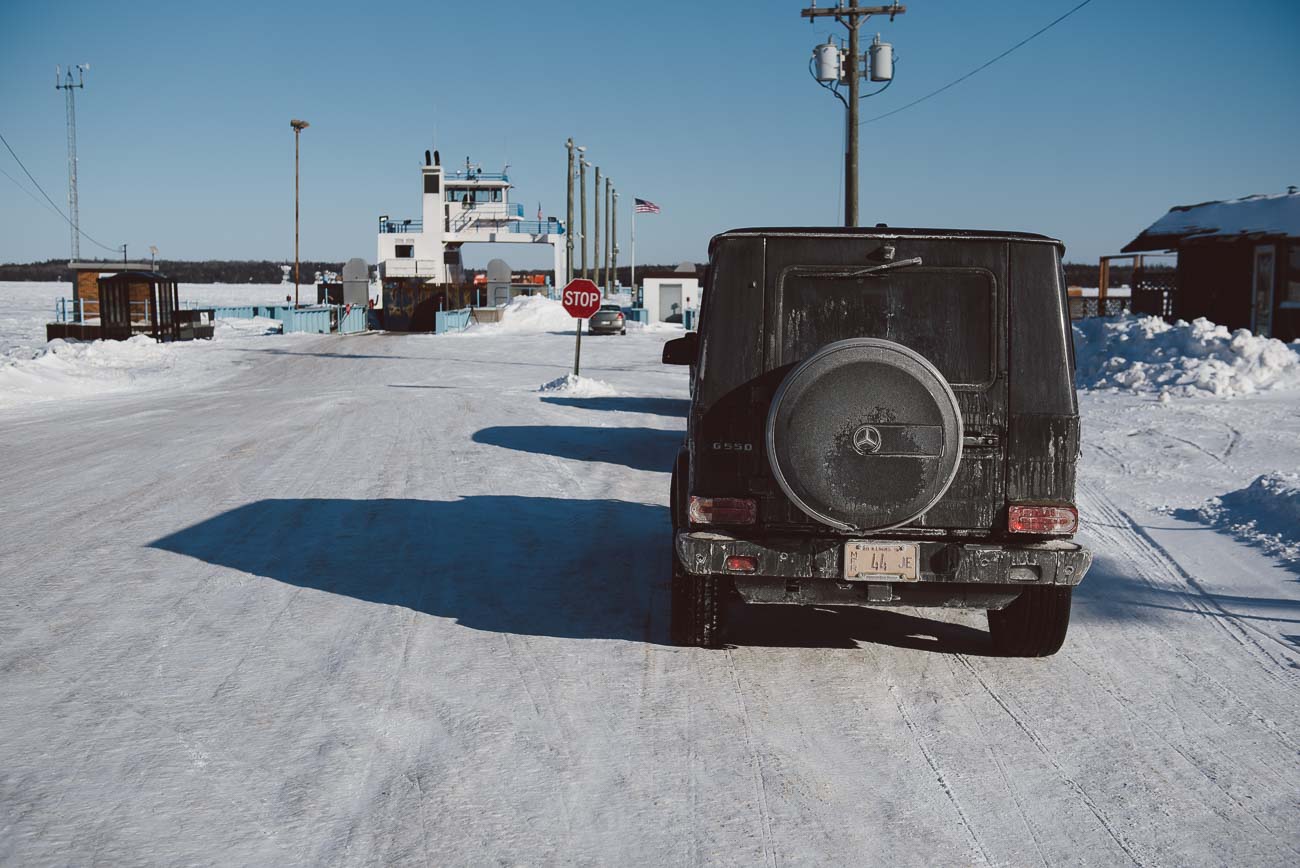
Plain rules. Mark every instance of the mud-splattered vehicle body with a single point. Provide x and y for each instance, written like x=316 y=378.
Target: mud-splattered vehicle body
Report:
x=880 y=417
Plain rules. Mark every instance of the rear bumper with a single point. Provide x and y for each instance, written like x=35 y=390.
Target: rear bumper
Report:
x=811 y=569
x=604 y=328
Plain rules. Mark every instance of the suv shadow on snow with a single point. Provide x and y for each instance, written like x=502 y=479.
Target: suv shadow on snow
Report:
x=496 y=563
x=637 y=448
x=657 y=406
x=511 y=564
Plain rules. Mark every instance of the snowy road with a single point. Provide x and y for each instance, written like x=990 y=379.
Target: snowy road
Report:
x=374 y=600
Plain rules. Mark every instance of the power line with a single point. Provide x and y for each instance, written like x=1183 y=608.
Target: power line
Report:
x=29 y=193
x=51 y=201
x=981 y=67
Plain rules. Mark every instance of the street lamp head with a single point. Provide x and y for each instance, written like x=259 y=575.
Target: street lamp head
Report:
x=582 y=149
x=298 y=125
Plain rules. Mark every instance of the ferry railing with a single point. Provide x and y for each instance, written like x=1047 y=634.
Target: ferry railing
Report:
x=537 y=227
x=399 y=227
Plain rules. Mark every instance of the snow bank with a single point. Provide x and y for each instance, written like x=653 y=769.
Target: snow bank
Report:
x=527 y=314
x=1147 y=354
x=64 y=369
x=578 y=387
x=1266 y=513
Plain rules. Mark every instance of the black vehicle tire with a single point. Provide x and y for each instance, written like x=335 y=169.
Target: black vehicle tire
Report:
x=1034 y=625
x=696 y=609
x=623 y=332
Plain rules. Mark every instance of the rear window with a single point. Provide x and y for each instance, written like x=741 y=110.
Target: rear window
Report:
x=945 y=314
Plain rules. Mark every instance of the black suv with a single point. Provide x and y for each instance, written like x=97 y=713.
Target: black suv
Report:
x=880 y=417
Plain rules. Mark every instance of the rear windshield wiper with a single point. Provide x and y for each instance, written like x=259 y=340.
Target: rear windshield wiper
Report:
x=876 y=269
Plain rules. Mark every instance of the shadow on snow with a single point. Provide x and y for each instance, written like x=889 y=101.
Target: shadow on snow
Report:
x=637 y=448
x=657 y=406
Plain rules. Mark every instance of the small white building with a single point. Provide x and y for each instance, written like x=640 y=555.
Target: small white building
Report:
x=460 y=207
x=669 y=294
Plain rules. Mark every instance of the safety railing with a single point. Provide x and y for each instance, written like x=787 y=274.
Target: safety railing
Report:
x=537 y=227
x=453 y=320
x=399 y=227
x=85 y=310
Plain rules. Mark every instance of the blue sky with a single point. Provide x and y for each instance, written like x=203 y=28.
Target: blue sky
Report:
x=1088 y=133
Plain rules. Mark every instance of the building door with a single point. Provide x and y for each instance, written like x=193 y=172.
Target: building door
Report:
x=1261 y=316
x=670 y=301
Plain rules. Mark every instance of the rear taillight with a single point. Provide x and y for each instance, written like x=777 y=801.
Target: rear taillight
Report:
x=1042 y=518
x=723 y=510
x=742 y=564
x=620 y=316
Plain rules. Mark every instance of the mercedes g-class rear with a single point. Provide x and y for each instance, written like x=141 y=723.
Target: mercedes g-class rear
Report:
x=880 y=417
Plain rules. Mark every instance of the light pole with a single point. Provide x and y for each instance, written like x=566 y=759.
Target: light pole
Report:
x=609 y=237
x=298 y=127
x=583 y=163
x=595 y=220
x=568 y=217
x=613 y=241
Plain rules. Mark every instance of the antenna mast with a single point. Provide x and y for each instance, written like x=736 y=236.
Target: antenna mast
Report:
x=62 y=82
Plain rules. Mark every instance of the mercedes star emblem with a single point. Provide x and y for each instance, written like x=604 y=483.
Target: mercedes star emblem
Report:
x=866 y=440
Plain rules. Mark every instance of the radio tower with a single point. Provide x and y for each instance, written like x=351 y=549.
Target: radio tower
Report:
x=62 y=82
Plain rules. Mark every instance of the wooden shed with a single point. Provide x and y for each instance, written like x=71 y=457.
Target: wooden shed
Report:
x=1238 y=261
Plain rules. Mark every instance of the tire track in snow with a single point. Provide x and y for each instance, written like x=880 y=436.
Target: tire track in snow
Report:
x=770 y=856
x=990 y=750
x=1131 y=717
x=917 y=736
x=1070 y=782
x=1133 y=540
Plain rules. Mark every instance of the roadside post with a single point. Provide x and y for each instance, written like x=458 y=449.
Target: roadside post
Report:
x=581 y=298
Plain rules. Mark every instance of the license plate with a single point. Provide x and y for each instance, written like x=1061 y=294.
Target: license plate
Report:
x=867 y=561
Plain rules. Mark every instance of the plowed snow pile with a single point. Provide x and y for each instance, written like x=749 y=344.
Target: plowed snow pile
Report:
x=527 y=314
x=68 y=368
x=1147 y=354
x=1266 y=513
x=578 y=387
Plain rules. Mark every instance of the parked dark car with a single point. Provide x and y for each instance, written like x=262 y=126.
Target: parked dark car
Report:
x=608 y=320
x=880 y=417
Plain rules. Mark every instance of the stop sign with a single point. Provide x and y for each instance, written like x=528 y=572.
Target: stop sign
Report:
x=581 y=298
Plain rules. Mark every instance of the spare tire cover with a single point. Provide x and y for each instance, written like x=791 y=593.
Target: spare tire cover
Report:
x=865 y=434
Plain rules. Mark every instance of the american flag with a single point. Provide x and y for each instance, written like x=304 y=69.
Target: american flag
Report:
x=643 y=206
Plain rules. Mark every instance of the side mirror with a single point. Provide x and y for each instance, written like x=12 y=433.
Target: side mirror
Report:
x=682 y=351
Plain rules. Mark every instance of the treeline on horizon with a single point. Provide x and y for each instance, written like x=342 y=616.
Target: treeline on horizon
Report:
x=208 y=271
x=251 y=271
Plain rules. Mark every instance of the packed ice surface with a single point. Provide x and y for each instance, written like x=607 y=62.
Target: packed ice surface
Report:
x=375 y=599
x=1266 y=513
x=1145 y=354
x=578 y=387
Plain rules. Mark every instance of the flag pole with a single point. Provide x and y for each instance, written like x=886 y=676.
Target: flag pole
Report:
x=633 y=278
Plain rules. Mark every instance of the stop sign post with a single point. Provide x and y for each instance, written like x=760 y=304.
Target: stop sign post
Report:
x=581 y=298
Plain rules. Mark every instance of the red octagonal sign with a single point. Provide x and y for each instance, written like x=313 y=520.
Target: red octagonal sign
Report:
x=581 y=298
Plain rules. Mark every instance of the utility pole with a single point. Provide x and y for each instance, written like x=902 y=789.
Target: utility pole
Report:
x=583 y=163
x=568 y=217
x=609 y=238
x=613 y=242
x=298 y=127
x=852 y=17
x=67 y=84
x=595 y=204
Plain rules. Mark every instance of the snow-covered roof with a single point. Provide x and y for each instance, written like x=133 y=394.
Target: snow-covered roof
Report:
x=1252 y=215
